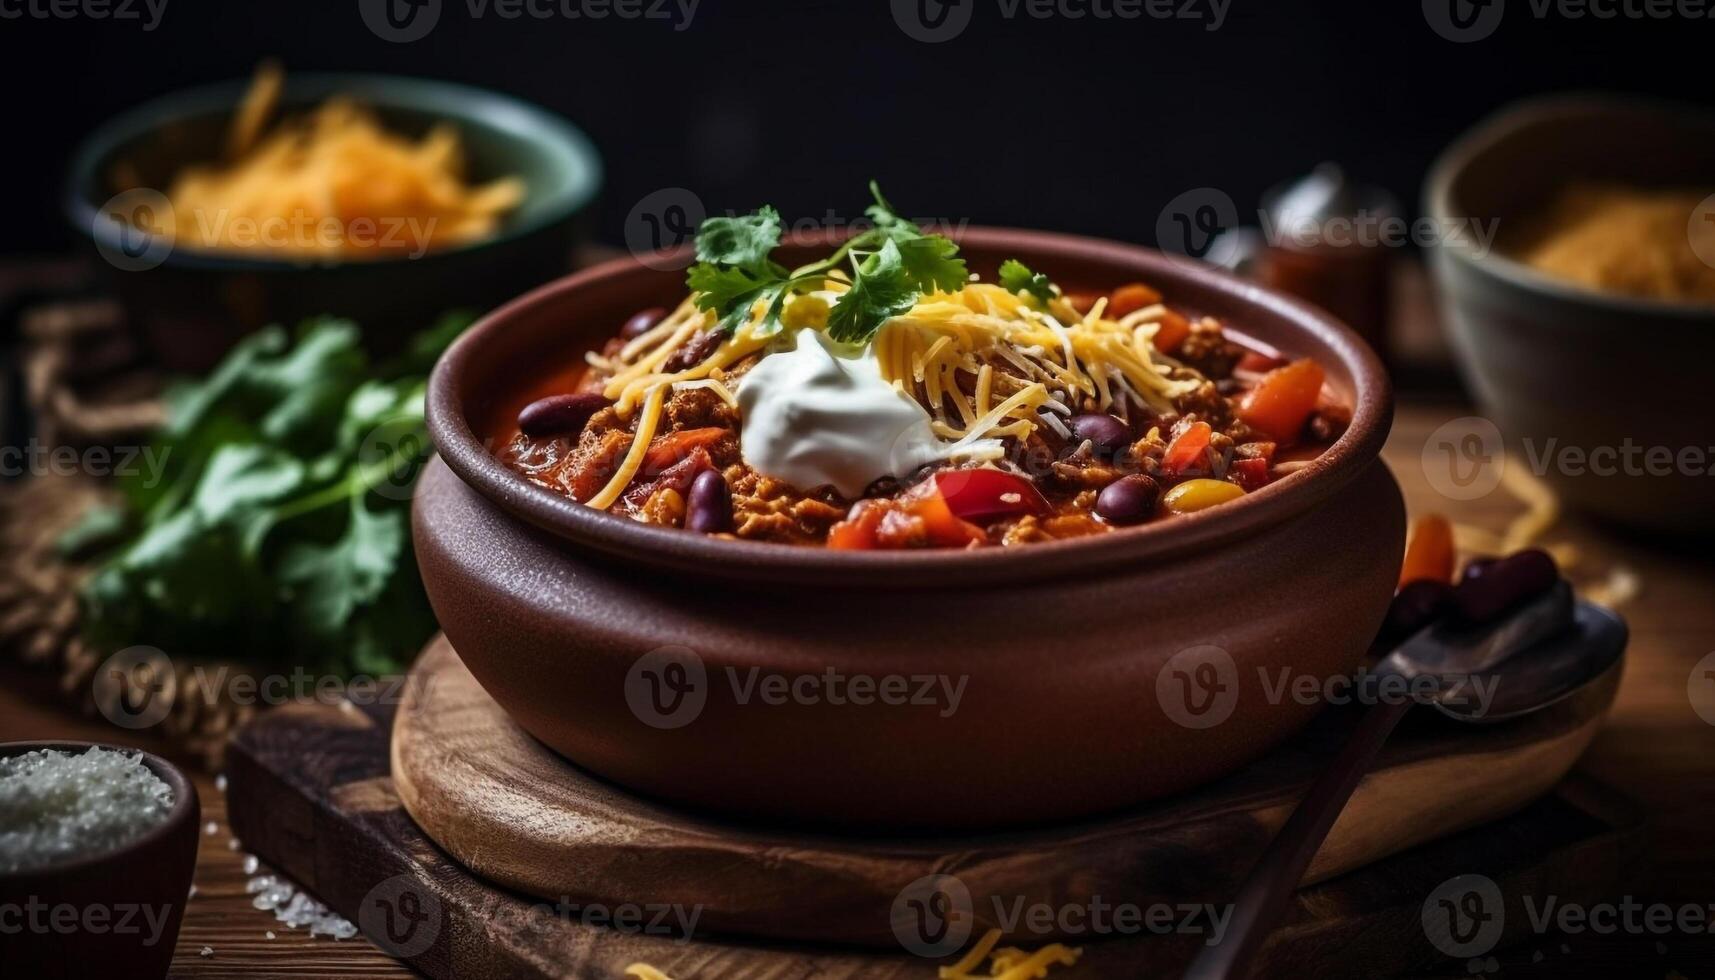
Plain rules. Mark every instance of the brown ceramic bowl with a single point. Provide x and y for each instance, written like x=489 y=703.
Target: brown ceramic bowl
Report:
x=588 y=628
x=1573 y=377
x=108 y=915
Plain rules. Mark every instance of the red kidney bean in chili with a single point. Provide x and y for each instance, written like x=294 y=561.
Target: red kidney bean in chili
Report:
x=1106 y=434
x=985 y=495
x=642 y=322
x=1489 y=589
x=708 y=507
x=558 y=415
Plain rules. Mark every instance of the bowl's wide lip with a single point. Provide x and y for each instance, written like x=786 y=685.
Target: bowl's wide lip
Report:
x=524 y=120
x=1459 y=155
x=465 y=454
x=184 y=801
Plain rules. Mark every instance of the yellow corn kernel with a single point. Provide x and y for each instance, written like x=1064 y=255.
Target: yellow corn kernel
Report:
x=1195 y=495
x=806 y=311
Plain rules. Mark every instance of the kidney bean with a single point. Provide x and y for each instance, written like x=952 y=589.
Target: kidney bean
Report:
x=695 y=351
x=1417 y=604
x=1107 y=435
x=1128 y=500
x=1489 y=589
x=642 y=322
x=558 y=415
x=708 y=507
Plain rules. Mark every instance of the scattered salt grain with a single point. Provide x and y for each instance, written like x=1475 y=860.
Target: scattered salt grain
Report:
x=193 y=892
x=57 y=805
x=250 y=864
x=296 y=909
x=206 y=951
x=269 y=934
x=232 y=844
x=210 y=829
x=220 y=782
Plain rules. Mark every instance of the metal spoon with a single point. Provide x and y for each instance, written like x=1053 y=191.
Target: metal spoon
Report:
x=1540 y=654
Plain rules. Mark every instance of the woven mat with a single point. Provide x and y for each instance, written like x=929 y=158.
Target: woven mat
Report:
x=85 y=384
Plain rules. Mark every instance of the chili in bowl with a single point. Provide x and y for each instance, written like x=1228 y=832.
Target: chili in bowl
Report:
x=981 y=413
x=566 y=577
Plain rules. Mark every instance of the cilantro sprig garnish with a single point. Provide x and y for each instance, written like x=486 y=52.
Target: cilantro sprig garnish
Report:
x=889 y=266
x=1016 y=277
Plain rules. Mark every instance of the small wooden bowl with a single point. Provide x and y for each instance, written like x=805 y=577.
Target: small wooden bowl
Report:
x=1069 y=654
x=108 y=915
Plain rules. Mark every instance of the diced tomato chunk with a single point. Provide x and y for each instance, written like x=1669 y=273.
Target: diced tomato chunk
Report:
x=857 y=531
x=1252 y=474
x=986 y=494
x=1188 y=452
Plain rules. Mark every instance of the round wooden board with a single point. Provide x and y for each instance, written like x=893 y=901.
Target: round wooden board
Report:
x=511 y=810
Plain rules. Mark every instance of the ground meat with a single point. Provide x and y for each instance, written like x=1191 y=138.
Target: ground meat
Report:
x=595 y=458
x=698 y=408
x=766 y=509
x=1209 y=351
x=1204 y=401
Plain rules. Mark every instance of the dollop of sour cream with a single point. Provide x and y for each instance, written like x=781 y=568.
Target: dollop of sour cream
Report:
x=819 y=413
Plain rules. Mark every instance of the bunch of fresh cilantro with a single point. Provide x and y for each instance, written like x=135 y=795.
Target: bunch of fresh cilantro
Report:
x=889 y=265
x=276 y=531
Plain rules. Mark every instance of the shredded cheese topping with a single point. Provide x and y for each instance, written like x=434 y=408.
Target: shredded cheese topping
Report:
x=985 y=363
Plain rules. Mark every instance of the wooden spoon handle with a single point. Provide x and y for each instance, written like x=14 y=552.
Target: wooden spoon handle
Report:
x=1268 y=889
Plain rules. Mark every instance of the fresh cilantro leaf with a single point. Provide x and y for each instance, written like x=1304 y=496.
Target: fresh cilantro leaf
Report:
x=329 y=583
x=932 y=264
x=290 y=463
x=1016 y=277
x=731 y=293
x=881 y=288
x=744 y=241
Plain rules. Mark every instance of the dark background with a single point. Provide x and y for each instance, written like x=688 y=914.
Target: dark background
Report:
x=1083 y=125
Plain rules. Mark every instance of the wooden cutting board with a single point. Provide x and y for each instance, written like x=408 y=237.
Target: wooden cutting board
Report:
x=322 y=794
